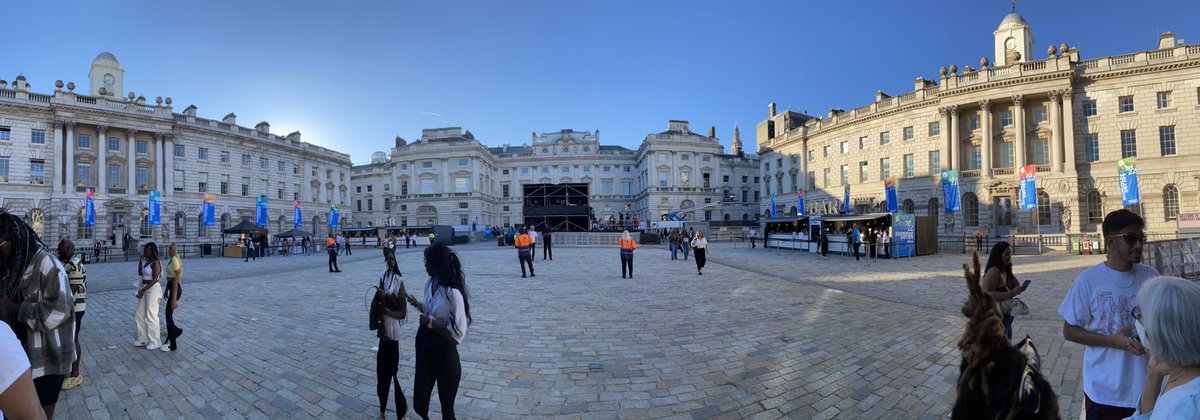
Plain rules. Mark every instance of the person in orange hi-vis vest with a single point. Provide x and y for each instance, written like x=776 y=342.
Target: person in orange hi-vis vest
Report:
x=627 y=246
x=524 y=245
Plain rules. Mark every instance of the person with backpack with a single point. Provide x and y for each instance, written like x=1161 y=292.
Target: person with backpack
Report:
x=387 y=310
x=331 y=248
x=524 y=246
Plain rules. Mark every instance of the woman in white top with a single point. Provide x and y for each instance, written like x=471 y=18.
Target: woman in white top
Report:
x=149 y=294
x=388 y=359
x=445 y=315
x=1168 y=326
x=18 y=397
x=701 y=246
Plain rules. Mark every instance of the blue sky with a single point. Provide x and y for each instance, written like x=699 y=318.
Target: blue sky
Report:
x=351 y=75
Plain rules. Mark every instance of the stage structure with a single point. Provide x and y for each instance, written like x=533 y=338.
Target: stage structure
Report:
x=562 y=207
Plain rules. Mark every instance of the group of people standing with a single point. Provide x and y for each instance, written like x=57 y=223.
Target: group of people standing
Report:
x=152 y=292
x=685 y=241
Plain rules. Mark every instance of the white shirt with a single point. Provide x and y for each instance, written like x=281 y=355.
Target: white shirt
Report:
x=447 y=307
x=1181 y=403
x=391 y=286
x=533 y=235
x=701 y=243
x=13 y=361
x=1101 y=301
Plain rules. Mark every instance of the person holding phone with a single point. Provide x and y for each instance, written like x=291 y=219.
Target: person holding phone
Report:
x=999 y=281
x=445 y=315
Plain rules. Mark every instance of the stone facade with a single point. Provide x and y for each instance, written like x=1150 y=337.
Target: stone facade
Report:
x=448 y=177
x=1072 y=118
x=53 y=147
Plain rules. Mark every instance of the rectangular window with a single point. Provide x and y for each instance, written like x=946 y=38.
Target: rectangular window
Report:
x=463 y=162
x=143 y=177
x=225 y=184
x=826 y=151
x=37 y=137
x=935 y=129
x=545 y=169
x=707 y=180
x=909 y=165
x=935 y=162
x=245 y=160
x=114 y=144
x=3 y=169
x=1089 y=108
x=262 y=163
x=1128 y=143
x=1006 y=155
x=5 y=134
x=179 y=152
x=885 y=168
x=745 y=179
x=627 y=187
x=279 y=166
x=1041 y=152
x=1125 y=103
x=828 y=179
x=245 y=187
x=177 y=182
x=83 y=173
x=687 y=157
x=864 y=172
x=566 y=169
x=1091 y=148
x=427 y=186
x=1164 y=99
x=1006 y=118
x=387 y=204
x=885 y=138
x=280 y=190
x=225 y=158
x=1166 y=140
x=587 y=169
x=607 y=187
x=143 y=147
x=908 y=133
x=370 y=204
x=845 y=174
x=725 y=179
x=114 y=176
x=845 y=148
x=973 y=121
x=460 y=184
x=662 y=157
x=403 y=187
x=864 y=143
x=463 y=205
x=83 y=141
x=203 y=183
x=662 y=179
x=359 y=205
x=295 y=169
x=1039 y=114
x=37 y=171
x=976 y=160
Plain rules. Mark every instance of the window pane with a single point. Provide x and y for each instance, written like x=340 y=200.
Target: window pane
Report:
x=1166 y=138
x=1128 y=143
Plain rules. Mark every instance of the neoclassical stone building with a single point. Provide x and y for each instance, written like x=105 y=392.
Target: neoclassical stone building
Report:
x=55 y=146
x=448 y=177
x=1073 y=118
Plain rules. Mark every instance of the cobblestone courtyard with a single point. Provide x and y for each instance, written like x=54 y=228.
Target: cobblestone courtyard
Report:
x=761 y=334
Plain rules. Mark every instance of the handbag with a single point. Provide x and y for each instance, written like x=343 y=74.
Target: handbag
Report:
x=1015 y=306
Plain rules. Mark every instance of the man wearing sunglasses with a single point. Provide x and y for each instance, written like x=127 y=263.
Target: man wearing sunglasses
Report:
x=1097 y=313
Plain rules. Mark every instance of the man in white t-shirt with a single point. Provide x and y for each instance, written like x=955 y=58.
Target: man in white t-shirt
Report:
x=533 y=235
x=1097 y=313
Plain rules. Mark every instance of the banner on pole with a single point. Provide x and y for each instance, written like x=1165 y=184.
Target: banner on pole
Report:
x=1028 y=190
x=89 y=212
x=846 y=199
x=210 y=209
x=950 y=191
x=153 y=207
x=333 y=217
x=800 y=202
x=260 y=211
x=772 y=205
x=1128 y=178
x=889 y=188
x=297 y=215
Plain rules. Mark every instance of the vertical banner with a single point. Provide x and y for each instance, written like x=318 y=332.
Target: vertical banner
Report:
x=889 y=188
x=1127 y=177
x=1028 y=190
x=210 y=209
x=950 y=191
x=800 y=202
x=904 y=234
x=333 y=217
x=89 y=212
x=260 y=211
x=297 y=215
x=846 y=199
x=772 y=205
x=153 y=207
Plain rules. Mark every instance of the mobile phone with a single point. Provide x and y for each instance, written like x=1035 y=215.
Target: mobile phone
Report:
x=1026 y=284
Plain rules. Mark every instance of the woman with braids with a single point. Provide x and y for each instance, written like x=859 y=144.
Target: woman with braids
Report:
x=445 y=315
x=37 y=304
x=999 y=281
x=149 y=294
x=391 y=295
x=171 y=297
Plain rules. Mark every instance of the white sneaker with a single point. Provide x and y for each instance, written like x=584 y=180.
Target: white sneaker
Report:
x=165 y=347
x=151 y=347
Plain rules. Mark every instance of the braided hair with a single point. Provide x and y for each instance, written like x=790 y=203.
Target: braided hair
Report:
x=24 y=242
x=444 y=266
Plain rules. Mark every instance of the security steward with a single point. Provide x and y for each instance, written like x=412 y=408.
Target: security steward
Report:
x=331 y=247
x=627 y=245
x=524 y=245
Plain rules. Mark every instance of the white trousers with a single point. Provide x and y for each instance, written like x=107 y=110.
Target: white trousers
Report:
x=147 y=317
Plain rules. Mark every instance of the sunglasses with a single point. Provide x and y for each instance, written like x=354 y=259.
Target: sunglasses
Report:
x=1131 y=238
x=1027 y=395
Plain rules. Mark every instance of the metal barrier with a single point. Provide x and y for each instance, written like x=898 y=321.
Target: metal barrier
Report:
x=1177 y=257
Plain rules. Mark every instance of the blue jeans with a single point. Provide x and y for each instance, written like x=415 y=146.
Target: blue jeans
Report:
x=674 y=249
x=1008 y=319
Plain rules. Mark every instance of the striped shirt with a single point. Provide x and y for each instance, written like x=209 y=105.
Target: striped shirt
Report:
x=46 y=312
x=77 y=277
x=446 y=306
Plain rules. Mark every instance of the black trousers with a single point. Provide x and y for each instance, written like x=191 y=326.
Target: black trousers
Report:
x=546 y=251
x=856 y=251
x=387 y=363
x=872 y=250
x=437 y=362
x=533 y=249
x=627 y=262
x=700 y=259
x=526 y=259
x=333 y=262
x=172 y=331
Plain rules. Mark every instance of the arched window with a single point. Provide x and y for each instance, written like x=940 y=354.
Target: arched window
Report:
x=1043 y=208
x=82 y=230
x=1095 y=208
x=745 y=217
x=280 y=222
x=970 y=208
x=882 y=207
x=934 y=207
x=908 y=207
x=201 y=228
x=224 y=221
x=794 y=212
x=1171 y=202
x=144 y=224
x=180 y=228
x=726 y=217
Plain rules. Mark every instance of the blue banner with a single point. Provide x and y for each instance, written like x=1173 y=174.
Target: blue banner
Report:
x=297 y=215
x=846 y=200
x=772 y=205
x=89 y=212
x=260 y=211
x=210 y=209
x=153 y=207
x=1127 y=177
x=333 y=217
x=800 y=202
x=889 y=191
x=1028 y=191
x=904 y=234
x=950 y=191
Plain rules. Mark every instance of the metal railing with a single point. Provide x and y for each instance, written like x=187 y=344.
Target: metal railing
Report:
x=1177 y=257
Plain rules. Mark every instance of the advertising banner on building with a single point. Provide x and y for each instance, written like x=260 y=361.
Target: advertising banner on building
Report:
x=333 y=217
x=260 y=211
x=1028 y=188
x=889 y=191
x=800 y=202
x=1128 y=178
x=297 y=215
x=846 y=199
x=904 y=234
x=210 y=209
x=772 y=205
x=950 y=191
x=89 y=212
x=152 y=207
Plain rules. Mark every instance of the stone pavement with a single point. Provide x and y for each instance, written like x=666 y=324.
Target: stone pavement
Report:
x=761 y=334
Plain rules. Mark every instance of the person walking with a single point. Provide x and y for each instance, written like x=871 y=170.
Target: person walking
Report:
x=701 y=246
x=856 y=240
x=674 y=243
x=823 y=244
x=685 y=244
x=171 y=297
x=886 y=240
x=524 y=245
x=149 y=296
x=77 y=280
x=331 y=248
x=753 y=235
x=250 y=250
x=445 y=316
x=344 y=244
x=999 y=281
x=547 y=242
x=627 y=245
x=387 y=360
x=534 y=236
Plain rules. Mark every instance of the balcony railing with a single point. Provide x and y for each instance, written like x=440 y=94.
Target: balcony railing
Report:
x=116 y=190
x=970 y=173
x=1042 y=168
x=1002 y=171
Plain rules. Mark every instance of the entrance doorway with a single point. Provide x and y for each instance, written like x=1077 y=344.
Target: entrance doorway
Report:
x=1003 y=211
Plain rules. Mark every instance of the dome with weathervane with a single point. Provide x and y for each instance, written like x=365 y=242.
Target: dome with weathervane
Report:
x=1012 y=21
x=106 y=57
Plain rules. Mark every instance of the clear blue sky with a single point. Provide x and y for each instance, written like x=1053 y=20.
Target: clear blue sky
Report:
x=351 y=75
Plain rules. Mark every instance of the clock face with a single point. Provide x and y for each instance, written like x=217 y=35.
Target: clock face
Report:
x=1011 y=44
x=109 y=79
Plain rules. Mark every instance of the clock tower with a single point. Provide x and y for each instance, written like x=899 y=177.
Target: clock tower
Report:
x=107 y=73
x=1014 y=41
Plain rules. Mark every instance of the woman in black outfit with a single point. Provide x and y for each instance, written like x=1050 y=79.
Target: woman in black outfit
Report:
x=445 y=315
x=388 y=359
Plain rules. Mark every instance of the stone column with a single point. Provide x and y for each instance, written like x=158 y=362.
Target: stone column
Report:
x=1056 y=138
x=1019 y=124
x=1068 y=130
x=131 y=162
x=955 y=141
x=944 y=126
x=69 y=164
x=102 y=158
x=59 y=143
x=445 y=180
x=985 y=154
x=160 y=154
x=169 y=166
